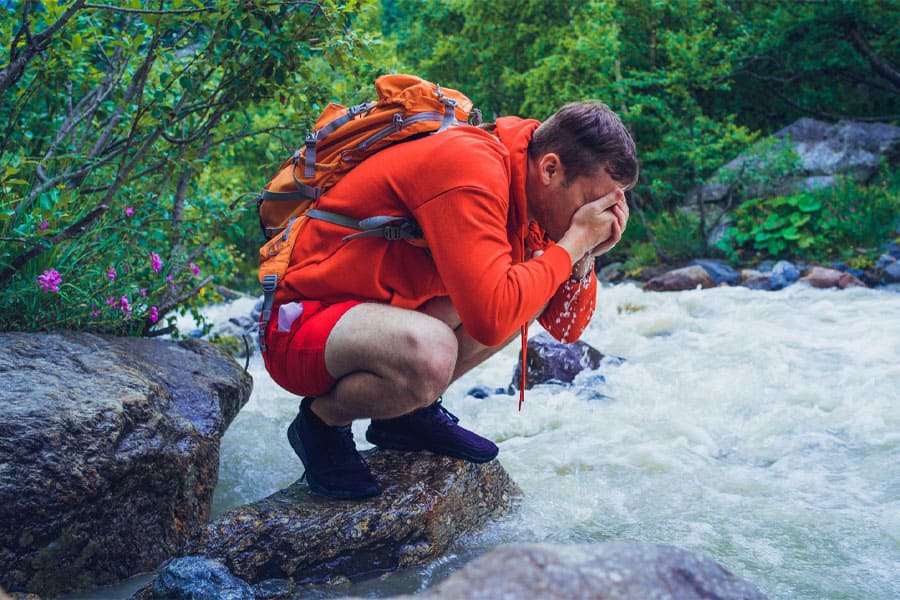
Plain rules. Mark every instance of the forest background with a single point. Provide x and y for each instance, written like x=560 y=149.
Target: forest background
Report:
x=134 y=136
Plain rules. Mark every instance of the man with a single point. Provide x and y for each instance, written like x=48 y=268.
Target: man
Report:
x=512 y=220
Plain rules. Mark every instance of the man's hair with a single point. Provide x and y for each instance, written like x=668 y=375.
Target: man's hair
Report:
x=586 y=136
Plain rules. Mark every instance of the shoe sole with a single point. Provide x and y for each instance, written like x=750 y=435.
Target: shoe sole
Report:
x=300 y=451
x=399 y=445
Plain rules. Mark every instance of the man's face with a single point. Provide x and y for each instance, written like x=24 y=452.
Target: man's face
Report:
x=557 y=199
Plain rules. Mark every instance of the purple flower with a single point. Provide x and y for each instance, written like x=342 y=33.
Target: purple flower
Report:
x=156 y=262
x=125 y=305
x=154 y=314
x=111 y=273
x=95 y=314
x=195 y=270
x=111 y=301
x=144 y=292
x=45 y=225
x=129 y=212
x=50 y=280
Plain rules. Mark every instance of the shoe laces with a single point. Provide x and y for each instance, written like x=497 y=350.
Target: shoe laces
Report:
x=440 y=414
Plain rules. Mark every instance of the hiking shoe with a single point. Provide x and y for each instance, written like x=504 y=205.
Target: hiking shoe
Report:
x=333 y=466
x=431 y=428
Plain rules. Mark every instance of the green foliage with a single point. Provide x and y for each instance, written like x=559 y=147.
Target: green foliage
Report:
x=838 y=222
x=126 y=134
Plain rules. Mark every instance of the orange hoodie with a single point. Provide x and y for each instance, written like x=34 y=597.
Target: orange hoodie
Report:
x=466 y=190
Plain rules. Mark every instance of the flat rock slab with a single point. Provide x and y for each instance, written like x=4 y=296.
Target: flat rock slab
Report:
x=109 y=453
x=427 y=502
x=603 y=571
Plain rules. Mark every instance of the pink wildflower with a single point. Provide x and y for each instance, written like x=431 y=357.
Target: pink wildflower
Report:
x=195 y=270
x=111 y=301
x=50 y=280
x=154 y=314
x=144 y=292
x=95 y=314
x=125 y=305
x=156 y=262
x=111 y=273
x=129 y=212
x=45 y=225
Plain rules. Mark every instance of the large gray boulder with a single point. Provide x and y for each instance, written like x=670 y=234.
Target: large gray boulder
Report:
x=109 y=453
x=605 y=571
x=427 y=502
x=824 y=151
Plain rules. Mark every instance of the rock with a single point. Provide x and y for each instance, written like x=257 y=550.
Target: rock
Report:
x=603 y=571
x=784 y=273
x=825 y=151
x=428 y=502
x=614 y=271
x=685 y=278
x=197 y=578
x=719 y=271
x=892 y=273
x=109 y=453
x=823 y=277
x=756 y=280
x=549 y=361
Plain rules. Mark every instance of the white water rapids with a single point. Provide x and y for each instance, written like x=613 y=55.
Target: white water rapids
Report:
x=761 y=429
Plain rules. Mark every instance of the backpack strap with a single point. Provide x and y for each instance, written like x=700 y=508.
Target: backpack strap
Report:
x=386 y=226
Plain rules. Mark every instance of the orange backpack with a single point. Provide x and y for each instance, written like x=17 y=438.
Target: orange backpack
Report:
x=406 y=107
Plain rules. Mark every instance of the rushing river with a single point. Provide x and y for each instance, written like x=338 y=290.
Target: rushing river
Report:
x=761 y=429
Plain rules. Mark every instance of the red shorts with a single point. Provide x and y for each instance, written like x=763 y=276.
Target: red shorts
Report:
x=296 y=359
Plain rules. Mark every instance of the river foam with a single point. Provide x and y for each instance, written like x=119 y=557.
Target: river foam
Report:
x=761 y=429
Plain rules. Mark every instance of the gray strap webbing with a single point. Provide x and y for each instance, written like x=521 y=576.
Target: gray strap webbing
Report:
x=403 y=228
x=449 y=114
x=287 y=196
x=269 y=283
x=316 y=136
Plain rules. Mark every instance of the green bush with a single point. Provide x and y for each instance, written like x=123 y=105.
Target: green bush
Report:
x=123 y=148
x=840 y=222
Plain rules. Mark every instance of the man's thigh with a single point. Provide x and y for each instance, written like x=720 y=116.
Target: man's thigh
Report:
x=385 y=340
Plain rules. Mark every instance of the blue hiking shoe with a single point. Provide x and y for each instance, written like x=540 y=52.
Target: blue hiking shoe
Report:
x=431 y=428
x=333 y=466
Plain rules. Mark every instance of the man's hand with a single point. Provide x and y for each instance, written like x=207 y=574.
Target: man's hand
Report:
x=596 y=227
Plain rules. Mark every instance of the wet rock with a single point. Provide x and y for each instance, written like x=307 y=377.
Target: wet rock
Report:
x=549 y=361
x=606 y=571
x=892 y=273
x=756 y=280
x=110 y=453
x=685 y=278
x=784 y=273
x=427 y=502
x=823 y=277
x=197 y=578
x=612 y=272
x=719 y=271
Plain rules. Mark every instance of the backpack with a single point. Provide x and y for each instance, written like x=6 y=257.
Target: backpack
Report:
x=406 y=107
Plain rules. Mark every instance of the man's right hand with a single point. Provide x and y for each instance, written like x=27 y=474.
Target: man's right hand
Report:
x=596 y=226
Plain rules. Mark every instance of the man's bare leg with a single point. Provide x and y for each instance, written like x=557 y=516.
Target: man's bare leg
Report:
x=387 y=361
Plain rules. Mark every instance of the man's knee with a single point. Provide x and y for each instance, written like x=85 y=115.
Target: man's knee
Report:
x=431 y=359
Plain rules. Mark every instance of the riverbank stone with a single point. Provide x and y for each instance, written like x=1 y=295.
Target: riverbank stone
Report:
x=550 y=361
x=720 y=272
x=110 y=453
x=823 y=277
x=685 y=278
x=427 y=502
x=601 y=571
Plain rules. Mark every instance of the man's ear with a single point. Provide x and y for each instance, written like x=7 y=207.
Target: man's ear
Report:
x=550 y=168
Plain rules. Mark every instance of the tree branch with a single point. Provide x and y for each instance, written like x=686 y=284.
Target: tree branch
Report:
x=878 y=65
x=149 y=11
